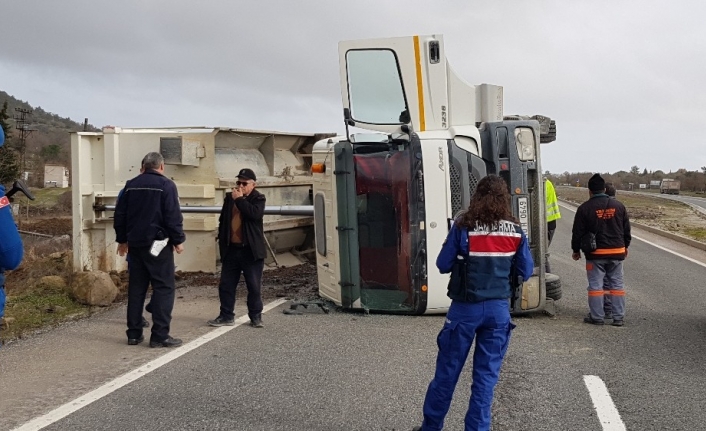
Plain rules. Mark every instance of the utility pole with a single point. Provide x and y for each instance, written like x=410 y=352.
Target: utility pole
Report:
x=22 y=119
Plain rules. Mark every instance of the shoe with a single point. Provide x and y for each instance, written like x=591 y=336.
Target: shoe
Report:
x=135 y=341
x=169 y=342
x=145 y=323
x=617 y=323
x=257 y=323
x=608 y=315
x=590 y=320
x=220 y=321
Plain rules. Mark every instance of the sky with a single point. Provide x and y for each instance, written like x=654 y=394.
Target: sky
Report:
x=625 y=81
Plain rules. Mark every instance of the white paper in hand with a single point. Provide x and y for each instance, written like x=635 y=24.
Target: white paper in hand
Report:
x=158 y=246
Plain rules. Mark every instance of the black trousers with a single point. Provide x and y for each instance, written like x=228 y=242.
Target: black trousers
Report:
x=146 y=269
x=237 y=261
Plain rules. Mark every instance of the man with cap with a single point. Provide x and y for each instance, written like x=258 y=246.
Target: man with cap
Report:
x=11 y=250
x=606 y=219
x=241 y=242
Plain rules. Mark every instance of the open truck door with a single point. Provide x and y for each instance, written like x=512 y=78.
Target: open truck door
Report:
x=388 y=83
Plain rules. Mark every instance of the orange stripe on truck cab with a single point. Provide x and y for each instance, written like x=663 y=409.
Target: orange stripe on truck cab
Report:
x=420 y=84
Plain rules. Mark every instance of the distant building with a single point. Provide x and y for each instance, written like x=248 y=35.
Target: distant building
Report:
x=655 y=184
x=56 y=176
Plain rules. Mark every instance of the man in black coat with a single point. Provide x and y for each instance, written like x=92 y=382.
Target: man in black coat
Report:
x=241 y=241
x=148 y=226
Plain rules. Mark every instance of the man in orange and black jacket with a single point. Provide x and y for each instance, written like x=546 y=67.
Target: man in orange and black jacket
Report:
x=608 y=219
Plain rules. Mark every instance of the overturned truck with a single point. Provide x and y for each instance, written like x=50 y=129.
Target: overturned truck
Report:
x=373 y=207
x=384 y=201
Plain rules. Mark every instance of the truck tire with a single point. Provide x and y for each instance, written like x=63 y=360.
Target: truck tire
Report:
x=553 y=285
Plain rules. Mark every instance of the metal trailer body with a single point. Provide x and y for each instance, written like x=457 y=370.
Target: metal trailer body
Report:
x=203 y=162
x=670 y=186
x=384 y=202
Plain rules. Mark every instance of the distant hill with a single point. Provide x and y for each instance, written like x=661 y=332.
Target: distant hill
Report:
x=51 y=129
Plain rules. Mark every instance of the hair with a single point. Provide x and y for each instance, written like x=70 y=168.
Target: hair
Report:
x=489 y=204
x=609 y=189
x=152 y=161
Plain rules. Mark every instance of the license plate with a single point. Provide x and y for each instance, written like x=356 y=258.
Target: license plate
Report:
x=523 y=214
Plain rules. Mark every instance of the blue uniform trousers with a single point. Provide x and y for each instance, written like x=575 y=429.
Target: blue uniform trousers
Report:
x=489 y=323
x=159 y=271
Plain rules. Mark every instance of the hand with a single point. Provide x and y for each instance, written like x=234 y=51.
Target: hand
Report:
x=626 y=253
x=122 y=249
x=237 y=193
x=576 y=256
x=179 y=248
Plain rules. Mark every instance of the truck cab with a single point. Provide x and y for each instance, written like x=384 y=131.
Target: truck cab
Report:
x=384 y=201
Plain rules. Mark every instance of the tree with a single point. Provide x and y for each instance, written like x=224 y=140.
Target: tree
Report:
x=9 y=163
x=703 y=168
x=4 y=116
x=50 y=152
x=635 y=170
x=644 y=172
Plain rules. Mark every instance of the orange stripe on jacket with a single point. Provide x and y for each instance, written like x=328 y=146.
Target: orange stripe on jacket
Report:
x=619 y=250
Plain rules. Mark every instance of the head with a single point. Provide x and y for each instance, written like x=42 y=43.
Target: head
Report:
x=246 y=181
x=610 y=189
x=489 y=204
x=153 y=161
x=596 y=185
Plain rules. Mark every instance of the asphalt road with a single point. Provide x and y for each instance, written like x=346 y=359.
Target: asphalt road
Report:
x=344 y=371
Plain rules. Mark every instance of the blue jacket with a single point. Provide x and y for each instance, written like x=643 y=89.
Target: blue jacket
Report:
x=11 y=250
x=148 y=208
x=491 y=255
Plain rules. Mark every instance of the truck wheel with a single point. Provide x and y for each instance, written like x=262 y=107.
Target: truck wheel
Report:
x=553 y=285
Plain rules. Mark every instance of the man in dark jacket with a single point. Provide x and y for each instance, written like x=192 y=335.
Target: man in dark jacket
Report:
x=241 y=241
x=148 y=226
x=608 y=220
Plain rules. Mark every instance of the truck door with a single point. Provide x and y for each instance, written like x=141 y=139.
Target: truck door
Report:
x=388 y=83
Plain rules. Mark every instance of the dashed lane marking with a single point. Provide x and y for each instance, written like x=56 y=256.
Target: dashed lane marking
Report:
x=117 y=383
x=603 y=403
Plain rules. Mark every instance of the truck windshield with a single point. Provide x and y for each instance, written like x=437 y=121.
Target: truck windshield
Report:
x=375 y=87
x=383 y=184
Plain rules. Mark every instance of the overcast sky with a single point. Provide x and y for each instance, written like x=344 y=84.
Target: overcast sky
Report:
x=624 y=80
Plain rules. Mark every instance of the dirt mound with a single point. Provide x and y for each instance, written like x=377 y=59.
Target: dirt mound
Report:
x=55 y=226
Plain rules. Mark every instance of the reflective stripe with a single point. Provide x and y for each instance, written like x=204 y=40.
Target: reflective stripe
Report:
x=617 y=292
x=420 y=84
x=595 y=293
x=619 y=250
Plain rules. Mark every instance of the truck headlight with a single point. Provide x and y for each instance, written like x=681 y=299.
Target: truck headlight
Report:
x=524 y=139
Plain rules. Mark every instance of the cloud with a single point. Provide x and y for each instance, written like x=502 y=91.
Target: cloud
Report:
x=622 y=79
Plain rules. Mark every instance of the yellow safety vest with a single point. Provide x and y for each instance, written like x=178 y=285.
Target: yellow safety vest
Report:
x=552 y=204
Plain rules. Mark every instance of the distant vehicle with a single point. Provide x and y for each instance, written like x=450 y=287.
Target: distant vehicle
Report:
x=670 y=187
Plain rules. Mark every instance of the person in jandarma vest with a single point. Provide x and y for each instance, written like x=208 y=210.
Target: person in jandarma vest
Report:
x=11 y=249
x=492 y=244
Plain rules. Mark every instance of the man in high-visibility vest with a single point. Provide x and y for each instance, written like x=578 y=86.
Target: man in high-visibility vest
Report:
x=553 y=215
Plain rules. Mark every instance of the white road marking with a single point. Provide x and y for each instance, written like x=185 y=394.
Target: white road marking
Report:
x=653 y=244
x=117 y=383
x=607 y=413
